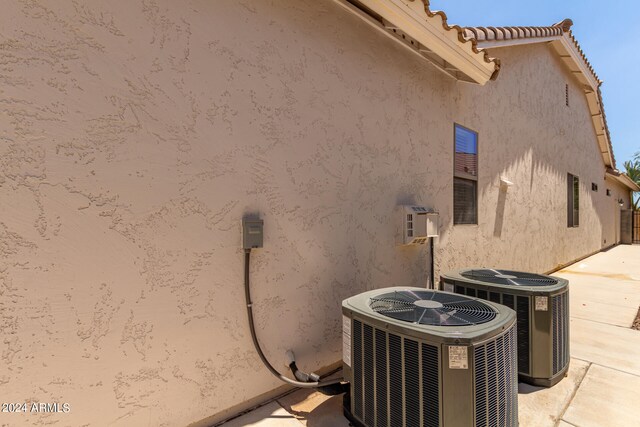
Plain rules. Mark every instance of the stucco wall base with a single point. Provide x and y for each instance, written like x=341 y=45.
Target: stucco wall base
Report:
x=261 y=400
x=566 y=264
x=276 y=393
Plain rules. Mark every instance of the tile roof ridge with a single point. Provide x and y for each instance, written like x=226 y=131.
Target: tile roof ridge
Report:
x=517 y=32
x=565 y=24
x=566 y=27
x=481 y=34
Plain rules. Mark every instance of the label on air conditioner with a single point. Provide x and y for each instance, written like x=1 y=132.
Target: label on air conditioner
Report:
x=448 y=287
x=346 y=340
x=458 y=357
x=542 y=304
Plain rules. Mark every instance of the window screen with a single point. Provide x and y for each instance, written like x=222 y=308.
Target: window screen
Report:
x=573 y=200
x=464 y=201
x=465 y=172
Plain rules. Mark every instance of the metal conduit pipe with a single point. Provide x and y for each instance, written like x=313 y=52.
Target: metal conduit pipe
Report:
x=330 y=386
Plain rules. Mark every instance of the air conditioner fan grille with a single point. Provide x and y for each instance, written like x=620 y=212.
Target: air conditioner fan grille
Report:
x=432 y=308
x=509 y=277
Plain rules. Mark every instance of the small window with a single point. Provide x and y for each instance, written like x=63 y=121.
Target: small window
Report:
x=573 y=200
x=566 y=95
x=465 y=173
x=608 y=192
x=594 y=186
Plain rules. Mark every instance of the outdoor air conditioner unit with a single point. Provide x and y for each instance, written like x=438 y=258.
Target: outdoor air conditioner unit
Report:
x=417 y=357
x=542 y=307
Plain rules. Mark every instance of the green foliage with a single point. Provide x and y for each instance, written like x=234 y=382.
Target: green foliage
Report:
x=632 y=169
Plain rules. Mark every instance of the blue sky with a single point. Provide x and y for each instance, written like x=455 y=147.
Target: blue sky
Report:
x=609 y=34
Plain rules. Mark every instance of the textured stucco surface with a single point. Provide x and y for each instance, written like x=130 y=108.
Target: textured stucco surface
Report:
x=134 y=135
x=528 y=135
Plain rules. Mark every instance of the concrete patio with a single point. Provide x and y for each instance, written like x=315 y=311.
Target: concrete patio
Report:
x=603 y=384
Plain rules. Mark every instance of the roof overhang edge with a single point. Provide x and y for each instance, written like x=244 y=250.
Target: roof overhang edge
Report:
x=566 y=48
x=623 y=179
x=432 y=31
x=488 y=44
x=570 y=47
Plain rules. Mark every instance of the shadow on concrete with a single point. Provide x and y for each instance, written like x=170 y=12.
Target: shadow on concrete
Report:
x=524 y=388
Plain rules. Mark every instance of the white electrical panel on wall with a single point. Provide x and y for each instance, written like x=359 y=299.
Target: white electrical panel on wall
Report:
x=415 y=224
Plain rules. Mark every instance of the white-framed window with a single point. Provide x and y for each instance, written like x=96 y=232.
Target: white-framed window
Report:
x=465 y=176
x=573 y=200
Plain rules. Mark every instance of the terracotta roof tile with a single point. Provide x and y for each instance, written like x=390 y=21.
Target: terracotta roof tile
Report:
x=509 y=33
x=485 y=34
x=462 y=38
x=584 y=56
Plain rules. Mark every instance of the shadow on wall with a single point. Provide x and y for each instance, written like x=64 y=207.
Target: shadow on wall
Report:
x=525 y=135
x=535 y=217
x=502 y=197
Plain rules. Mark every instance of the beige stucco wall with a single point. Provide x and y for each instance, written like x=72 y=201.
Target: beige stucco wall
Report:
x=528 y=135
x=136 y=134
x=618 y=192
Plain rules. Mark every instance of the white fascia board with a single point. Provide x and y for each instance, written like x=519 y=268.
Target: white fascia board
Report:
x=487 y=44
x=431 y=33
x=378 y=27
x=593 y=101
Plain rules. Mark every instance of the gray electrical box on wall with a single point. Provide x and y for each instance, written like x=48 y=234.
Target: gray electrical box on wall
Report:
x=252 y=233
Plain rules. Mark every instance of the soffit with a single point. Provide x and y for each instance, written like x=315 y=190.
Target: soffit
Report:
x=428 y=34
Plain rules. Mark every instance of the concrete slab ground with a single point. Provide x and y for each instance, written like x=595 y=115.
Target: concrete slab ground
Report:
x=269 y=415
x=606 y=397
x=606 y=345
x=596 y=311
x=540 y=406
x=315 y=409
x=603 y=382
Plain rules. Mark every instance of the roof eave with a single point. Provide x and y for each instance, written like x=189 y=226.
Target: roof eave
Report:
x=488 y=44
x=431 y=30
x=563 y=44
x=567 y=49
x=623 y=179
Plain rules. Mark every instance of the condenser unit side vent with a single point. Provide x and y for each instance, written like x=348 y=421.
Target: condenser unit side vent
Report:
x=560 y=328
x=382 y=395
x=496 y=388
x=423 y=358
x=541 y=305
x=522 y=311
